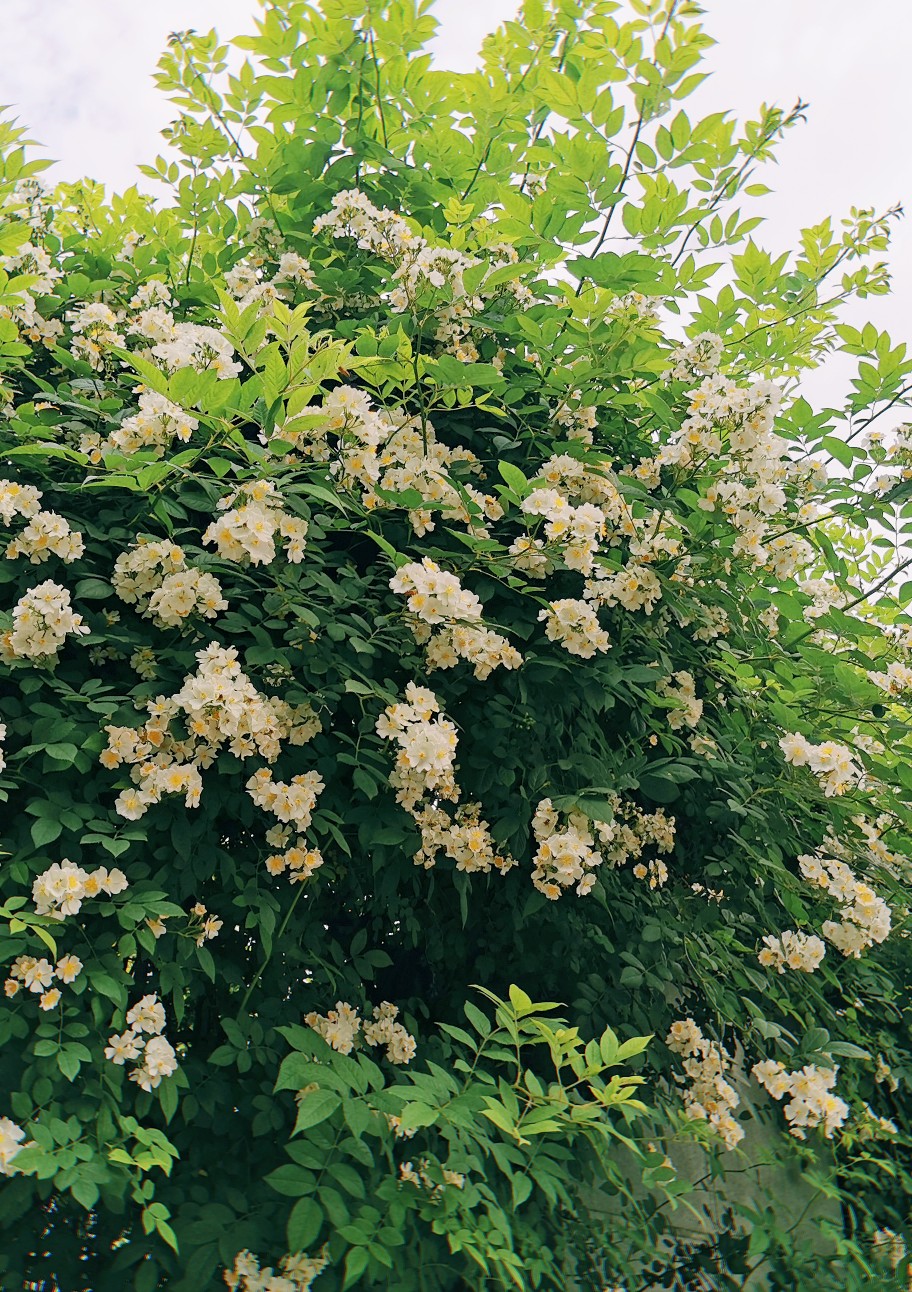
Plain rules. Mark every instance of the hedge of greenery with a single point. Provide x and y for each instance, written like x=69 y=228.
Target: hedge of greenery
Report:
x=453 y=686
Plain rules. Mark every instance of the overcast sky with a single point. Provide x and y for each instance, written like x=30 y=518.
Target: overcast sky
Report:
x=79 y=75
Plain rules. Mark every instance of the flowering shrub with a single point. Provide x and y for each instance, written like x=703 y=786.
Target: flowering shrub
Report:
x=420 y=571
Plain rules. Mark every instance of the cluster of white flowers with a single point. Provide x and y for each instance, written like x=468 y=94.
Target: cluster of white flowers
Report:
x=745 y=416
x=892 y=1245
x=97 y=327
x=294 y=269
x=395 y=1125
x=636 y=587
x=703 y=746
x=46 y=534
x=150 y=317
x=695 y=358
x=568 y=855
x=748 y=488
x=423 y=1178
x=153 y=428
x=191 y=345
x=156 y=1055
x=341 y=1026
x=18 y=500
x=832 y=764
x=531 y=556
x=290 y=802
x=575 y=530
x=31 y=201
x=219 y=706
x=825 y=595
x=247 y=533
x=896 y=680
x=893 y=452
x=132 y=239
x=634 y=307
x=42 y=620
x=386 y=234
x=244 y=280
x=384 y=1030
x=37 y=975
x=2 y=738
x=33 y=263
x=293 y=804
x=353 y=215
x=429 y=267
x=382 y=452
x=11 y=1137
x=709 y=1096
x=156 y=577
x=565 y=856
x=424 y=776
x=576 y=419
x=203 y=924
x=295 y=1273
x=581 y=504
x=438 y=601
x=785 y=554
x=710 y=621
x=298 y=857
x=681 y=688
x=864 y=917
x=95 y=330
x=465 y=838
x=421 y=267
x=426 y=747
x=631 y=832
x=792 y=950
x=63 y=887
x=873 y=1126
x=575 y=625
x=811 y=1099
x=872 y=832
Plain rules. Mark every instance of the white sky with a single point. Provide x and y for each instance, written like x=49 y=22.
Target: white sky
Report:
x=79 y=75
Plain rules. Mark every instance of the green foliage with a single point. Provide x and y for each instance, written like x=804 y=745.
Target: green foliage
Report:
x=405 y=383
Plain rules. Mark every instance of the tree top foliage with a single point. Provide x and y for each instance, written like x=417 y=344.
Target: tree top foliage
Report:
x=452 y=683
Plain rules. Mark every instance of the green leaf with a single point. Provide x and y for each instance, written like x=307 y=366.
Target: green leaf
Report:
x=167 y=1234
x=596 y=809
x=85 y=1192
x=846 y=1050
x=290 y=1180
x=358 y=1116
x=838 y=449
x=355 y=1264
x=45 y=830
x=92 y=590
x=168 y=1098
x=315 y=1107
x=521 y=1187
x=303 y=1224
x=658 y=788
x=69 y=1064
x=322 y=495
x=514 y=478
x=415 y=1115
